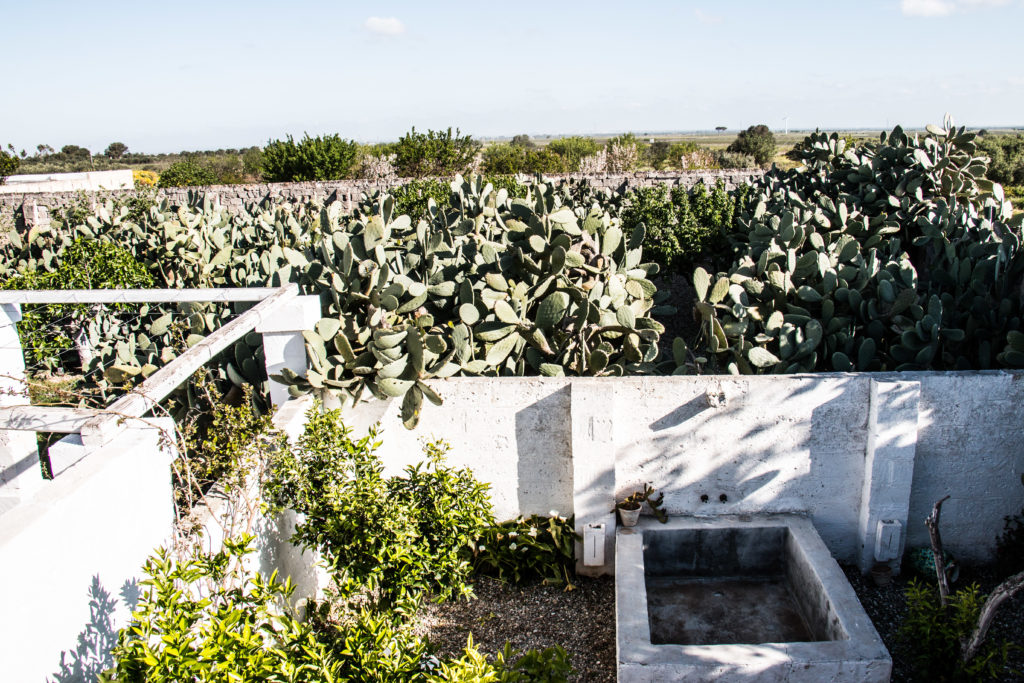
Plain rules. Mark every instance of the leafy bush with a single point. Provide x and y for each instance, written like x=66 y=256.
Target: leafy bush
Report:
x=115 y=150
x=756 y=141
x=320 y=158
x=207 y=618
x=185 y=174
x=526 y=549
x=734 y=160
x=550 y=665
x=8 y=165
x=47 y=331
x=235 y=630
x=683 y=226
x=252 y=163
x=511 y=159
x=892 y=256
x=1006 y=154
x=933 y=635
x=222 y=441
x=412 y=198
x=652 y=207
x=523 y=140
x=434 y=153
x=403 y=536
x=1015 y=195
x=656 y=154
x=574 y=149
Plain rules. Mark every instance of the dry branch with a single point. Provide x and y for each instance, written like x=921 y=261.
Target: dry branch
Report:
x=932 y=522
x=1003 y=591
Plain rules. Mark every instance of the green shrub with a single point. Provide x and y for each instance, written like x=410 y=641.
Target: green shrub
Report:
x=1015 y=195
x=506 y=159
x=573 y=149
x=185 y=174
x=652 y=207
x=683 y=226
x=550 y=665
x=526 y=549
x=434 y=153
x=756 y=141
x=8 y=165
x=252 y=163
x=1006 y=154
x=222 y=441
x=207 y=618
x=236 y=631
x=320 y=158
x=412 y=198
x=401 y=536
x=513 y=187
x=933 y=635
x=47 y=331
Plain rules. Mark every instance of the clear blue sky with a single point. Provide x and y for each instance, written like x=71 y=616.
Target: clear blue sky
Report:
x=169 y=76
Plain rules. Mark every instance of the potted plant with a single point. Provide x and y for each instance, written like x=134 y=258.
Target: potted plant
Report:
x=629 y=508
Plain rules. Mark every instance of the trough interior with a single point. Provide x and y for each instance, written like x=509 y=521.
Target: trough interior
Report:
x=745 y=585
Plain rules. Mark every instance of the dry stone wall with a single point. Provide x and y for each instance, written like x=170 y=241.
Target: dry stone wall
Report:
x=349 y=191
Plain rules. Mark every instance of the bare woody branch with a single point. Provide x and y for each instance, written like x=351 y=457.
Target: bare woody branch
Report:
x=932 y=522
x=1003 y=592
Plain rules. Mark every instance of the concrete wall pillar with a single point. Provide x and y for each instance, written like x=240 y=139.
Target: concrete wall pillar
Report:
x=20 y=476
x=593 y=469
x=283 y=346
x=888 y=472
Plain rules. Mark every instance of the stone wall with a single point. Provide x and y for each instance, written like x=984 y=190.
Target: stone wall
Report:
x=236 y=196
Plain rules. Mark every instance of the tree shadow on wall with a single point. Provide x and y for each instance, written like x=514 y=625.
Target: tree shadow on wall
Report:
x=91 y=655
x=789 y=452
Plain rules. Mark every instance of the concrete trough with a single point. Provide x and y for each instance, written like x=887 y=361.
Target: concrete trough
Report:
x=740 y=598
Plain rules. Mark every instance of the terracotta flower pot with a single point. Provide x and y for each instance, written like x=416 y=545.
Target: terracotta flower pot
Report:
x=629 y=517
x=881 y=574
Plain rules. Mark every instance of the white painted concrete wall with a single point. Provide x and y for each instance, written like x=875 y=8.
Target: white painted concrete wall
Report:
x=769 y=444
x=513 y=432
x=970 y=445
x=70 y=559
x=89 y=181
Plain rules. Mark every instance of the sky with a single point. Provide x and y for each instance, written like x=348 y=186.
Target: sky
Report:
x=190 y=75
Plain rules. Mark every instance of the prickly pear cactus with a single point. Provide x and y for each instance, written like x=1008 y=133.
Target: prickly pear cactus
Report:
x=897 y=255
x=490 y=286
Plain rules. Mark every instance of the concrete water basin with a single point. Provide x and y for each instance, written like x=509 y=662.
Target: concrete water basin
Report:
x=738 y=599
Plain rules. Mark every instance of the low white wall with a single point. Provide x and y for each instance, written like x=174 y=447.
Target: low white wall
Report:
x=970 y=445
x=88 y=181
x=70 y=559
x=515 y=434
x=794 y=443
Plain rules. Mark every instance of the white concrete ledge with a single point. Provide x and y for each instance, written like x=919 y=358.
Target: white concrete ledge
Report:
x=140 y=296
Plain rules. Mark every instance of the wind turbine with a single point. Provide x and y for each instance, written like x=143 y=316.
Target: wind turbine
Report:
x=786 y=119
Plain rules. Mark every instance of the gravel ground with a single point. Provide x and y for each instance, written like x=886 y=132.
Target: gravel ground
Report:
x=583 y=621
x=534 y=616
x=887 y=605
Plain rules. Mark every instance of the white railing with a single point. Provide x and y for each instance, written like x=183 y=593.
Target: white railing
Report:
x=280 y=315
